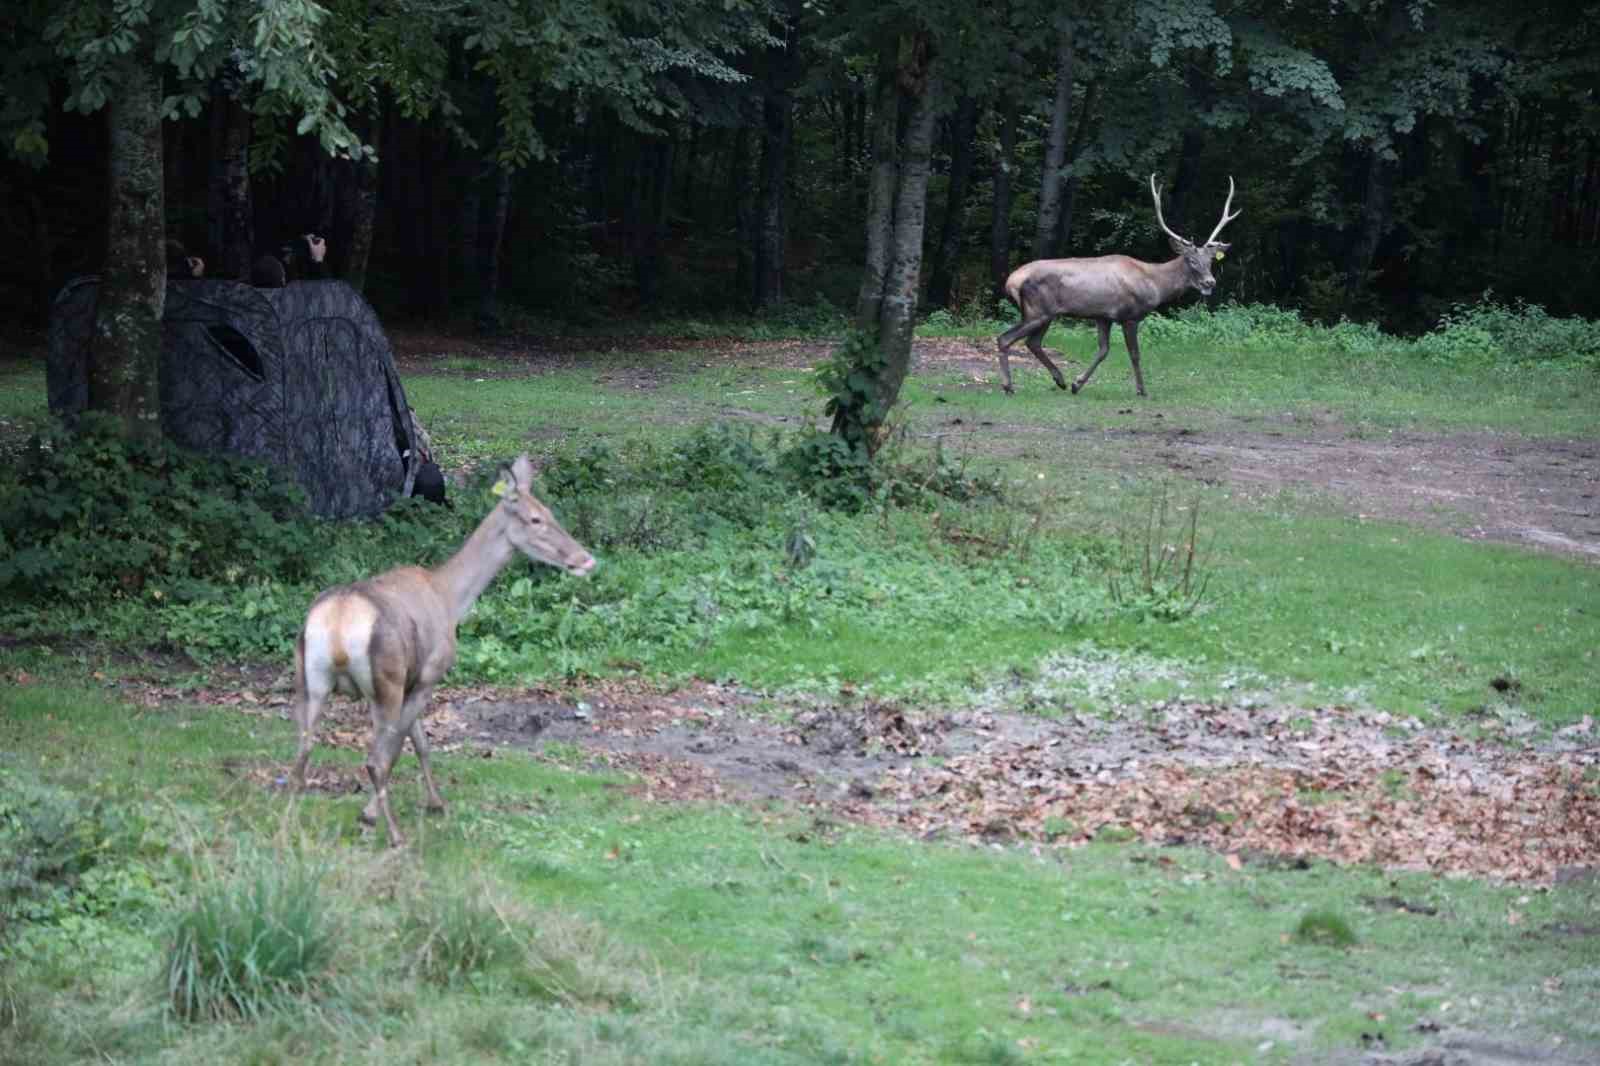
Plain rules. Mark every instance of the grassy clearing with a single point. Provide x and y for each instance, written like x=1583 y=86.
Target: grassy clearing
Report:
x=998 y=601
x=552 y=917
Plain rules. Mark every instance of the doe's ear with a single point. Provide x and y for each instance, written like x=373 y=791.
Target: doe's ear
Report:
x=504 y=486
x=522 y=472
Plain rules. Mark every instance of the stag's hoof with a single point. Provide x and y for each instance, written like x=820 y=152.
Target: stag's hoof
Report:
x=1076 y=385
x=1008 y=390
x=434 y=807
x=1060 y=384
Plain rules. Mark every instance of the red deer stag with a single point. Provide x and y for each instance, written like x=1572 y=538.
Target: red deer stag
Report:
x=391 y=638
x=1107 y=289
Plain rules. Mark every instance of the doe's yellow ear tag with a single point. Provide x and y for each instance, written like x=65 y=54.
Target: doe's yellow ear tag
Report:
x=500 y=488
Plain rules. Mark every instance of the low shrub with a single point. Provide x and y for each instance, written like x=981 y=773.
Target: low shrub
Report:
x=92 y=513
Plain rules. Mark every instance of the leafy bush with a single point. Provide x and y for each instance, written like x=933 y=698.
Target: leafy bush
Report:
x=51 y=839
x=93 y=513
x=251 y=940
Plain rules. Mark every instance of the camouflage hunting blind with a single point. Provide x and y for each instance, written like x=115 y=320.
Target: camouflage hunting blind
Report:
x=301 y=377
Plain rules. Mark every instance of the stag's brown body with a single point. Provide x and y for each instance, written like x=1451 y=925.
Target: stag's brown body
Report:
x=1106 y=289
x=392 y=638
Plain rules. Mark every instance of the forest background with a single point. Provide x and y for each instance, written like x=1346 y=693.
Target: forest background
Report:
x=583 y=160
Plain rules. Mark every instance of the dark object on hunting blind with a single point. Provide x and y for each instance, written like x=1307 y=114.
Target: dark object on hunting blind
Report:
x=301 y=377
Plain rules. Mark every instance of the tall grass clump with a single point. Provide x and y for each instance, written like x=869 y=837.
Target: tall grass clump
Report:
x=251 y=940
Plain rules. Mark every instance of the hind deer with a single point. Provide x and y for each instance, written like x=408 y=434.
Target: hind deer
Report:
x=391 y=638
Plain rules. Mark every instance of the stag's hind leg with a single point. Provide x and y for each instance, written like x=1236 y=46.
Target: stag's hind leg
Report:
x=1032 y=328
x=1103 y=327
x=1036 y=346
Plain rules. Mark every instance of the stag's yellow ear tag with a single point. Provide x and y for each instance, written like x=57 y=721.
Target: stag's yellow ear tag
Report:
x=500 y=488
x=1220 y=256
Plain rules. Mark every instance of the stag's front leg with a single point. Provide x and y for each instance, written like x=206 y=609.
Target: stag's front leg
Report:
x=1103 y=327
x=1130 y=334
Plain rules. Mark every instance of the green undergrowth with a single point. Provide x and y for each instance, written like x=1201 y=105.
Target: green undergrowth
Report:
x=554 y=916
x=756 y=557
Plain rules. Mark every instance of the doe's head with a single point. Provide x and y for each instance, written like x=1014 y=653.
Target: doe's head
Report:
x=532 y=529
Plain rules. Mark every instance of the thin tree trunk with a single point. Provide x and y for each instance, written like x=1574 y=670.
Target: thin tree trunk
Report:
x=124 y=376
x=233 y=218
x=1055 y=148
x=468 y=250
x=1000 y=225
x=1069 y=188
x=777 y=109
x=358 y=211
x=1374 y=222
x=489 y=307
x=895 y=227
x=896 y=318
x=744 y=219
x=881 y=190
x=964 y=130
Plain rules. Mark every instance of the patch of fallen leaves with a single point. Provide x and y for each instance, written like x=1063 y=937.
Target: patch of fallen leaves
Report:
x=1448 y=807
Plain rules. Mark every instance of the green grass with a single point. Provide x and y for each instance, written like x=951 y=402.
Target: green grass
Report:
x=969 y=603
x=586 y=925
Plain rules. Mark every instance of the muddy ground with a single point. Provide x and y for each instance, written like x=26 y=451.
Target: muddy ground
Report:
x=1537 y=493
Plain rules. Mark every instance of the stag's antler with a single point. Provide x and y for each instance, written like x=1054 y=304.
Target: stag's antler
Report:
x=1226 y=218
x=1155 y=194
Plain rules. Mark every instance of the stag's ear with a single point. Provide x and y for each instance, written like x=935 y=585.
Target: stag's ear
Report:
x=1217 y=249
x=1179 y=245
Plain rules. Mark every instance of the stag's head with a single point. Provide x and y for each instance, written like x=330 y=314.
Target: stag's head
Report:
x=1197 y=259
x=530 y=526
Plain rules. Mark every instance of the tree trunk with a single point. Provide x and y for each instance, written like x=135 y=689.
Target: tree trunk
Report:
x=233 y=236
x=881 y=350
x=358 y=208
x=777 y=110
x=881 y=189
x=964 y=131
x=467 y=250
x=1055 y=148
x=489 y=308
x=1005 y=164
x=744 y=220
x=896 y=319
x=1069 y=188
x=1374 y=223
x=125 y=365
